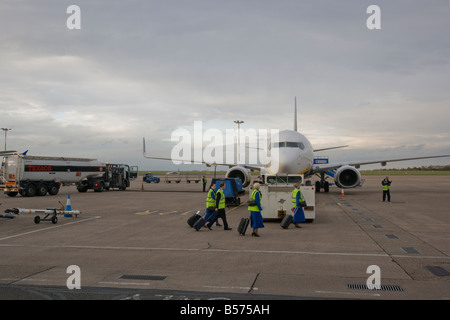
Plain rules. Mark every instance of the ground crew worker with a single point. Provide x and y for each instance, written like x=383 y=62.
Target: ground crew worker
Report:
x=211 y=205
x=386 y=183
x=255 y=211
x=299 y=214
x=220 y=208
x=204 y=183
x=210 y=202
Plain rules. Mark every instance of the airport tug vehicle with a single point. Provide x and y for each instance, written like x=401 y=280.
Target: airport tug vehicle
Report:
x=277 y=196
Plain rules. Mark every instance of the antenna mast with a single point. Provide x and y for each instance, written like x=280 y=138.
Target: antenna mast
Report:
x=295 y=115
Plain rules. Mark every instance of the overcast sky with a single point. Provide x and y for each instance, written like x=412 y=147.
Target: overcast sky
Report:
x=147 y=68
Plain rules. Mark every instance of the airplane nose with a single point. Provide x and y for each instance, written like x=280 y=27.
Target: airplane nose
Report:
x=285 y=161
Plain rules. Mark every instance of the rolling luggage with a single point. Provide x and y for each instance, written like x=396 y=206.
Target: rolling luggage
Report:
x=287 y=220
x=243 y=225
x=193 y=219
x=200 y=223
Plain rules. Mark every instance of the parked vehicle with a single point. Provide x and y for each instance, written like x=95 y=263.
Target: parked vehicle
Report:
x=38 y=175
x=115 y=176
x=149 y=178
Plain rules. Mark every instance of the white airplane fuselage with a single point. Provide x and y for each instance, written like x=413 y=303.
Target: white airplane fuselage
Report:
x=291 y=153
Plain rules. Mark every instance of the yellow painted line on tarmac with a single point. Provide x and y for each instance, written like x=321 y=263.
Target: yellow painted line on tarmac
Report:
x=168 y=212
x=146 y=212
x=227 y=211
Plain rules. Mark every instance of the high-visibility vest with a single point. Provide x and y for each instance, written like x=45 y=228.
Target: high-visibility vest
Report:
x=210 y=200
x=294 y=197
x=252 y=197
x=222 y=199
x=385 y=184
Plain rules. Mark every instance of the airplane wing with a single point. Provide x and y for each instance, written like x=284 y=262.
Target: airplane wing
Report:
x=330 y=148
x=208 y=164
x=7 y=152
x=331 y=166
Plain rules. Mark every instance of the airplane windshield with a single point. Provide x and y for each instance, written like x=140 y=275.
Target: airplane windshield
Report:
x=288 y=144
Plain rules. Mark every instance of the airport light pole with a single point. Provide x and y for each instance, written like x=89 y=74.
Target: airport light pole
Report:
x=239 y=122
x=6 y=130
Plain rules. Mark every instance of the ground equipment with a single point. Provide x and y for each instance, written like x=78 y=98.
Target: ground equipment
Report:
x=233 y=188
x=113 y=176
x=38 y=175
x=149 y=178
x=52 y=212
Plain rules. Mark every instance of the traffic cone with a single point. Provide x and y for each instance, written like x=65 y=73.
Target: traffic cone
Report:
x=68 y=208
x=342 y=192
x=142 y=186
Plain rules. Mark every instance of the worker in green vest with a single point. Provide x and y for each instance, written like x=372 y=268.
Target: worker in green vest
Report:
x=211 y=204
x=297 y=200
x=204 y=181
x=386 y=183
x=255 y=211
x=220 y=208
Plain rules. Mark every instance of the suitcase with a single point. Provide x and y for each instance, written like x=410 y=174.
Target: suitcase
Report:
x=287 y=220
x=243 y=225
x=199 y=224
x=193 y=219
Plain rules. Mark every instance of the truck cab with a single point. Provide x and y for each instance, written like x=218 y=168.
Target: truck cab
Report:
x=115 y=176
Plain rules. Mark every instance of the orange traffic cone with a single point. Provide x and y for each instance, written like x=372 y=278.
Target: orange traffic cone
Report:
x=142 y=186
x=342 y=192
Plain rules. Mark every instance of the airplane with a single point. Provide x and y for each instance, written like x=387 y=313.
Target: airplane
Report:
x=296 y=156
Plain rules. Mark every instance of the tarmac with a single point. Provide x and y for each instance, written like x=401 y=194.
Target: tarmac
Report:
x=136 y=244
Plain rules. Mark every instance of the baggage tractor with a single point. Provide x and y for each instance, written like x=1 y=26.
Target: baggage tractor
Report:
x=193 y=219
x=243 y=225
x=287 y=220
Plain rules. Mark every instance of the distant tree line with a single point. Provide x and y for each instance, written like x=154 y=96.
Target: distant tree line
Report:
x=422 y=168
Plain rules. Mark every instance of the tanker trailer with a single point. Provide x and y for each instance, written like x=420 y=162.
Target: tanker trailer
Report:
x=39 y=175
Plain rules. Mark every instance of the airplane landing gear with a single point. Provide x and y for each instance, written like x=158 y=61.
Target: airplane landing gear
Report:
x=322 y=184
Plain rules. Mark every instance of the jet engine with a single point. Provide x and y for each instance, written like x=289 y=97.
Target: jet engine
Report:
x=347 y=177
x=241 y=173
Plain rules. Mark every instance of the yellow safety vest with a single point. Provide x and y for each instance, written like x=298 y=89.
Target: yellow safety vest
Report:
x=294 y=197
x=385 y=187
x=222 y=199
x=210 y=201
x=252 y=197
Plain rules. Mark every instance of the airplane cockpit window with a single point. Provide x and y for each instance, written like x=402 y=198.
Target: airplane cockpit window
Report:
x=288 y=144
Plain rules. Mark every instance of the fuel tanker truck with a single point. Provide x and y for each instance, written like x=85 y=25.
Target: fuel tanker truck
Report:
x=38 y=175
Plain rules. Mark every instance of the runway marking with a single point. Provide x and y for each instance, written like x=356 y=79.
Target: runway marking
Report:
x=350 y=293
x=48 y=228
x=125 y=283
x=146 y=212
x=225 y=287
x=384 y=255
x=168 y=212
x=185 y=213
